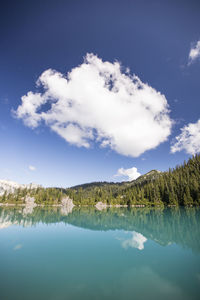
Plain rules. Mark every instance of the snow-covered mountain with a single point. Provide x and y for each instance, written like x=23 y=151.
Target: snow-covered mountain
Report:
x=11 y=186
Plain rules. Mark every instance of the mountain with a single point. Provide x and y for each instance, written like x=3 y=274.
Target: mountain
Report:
x=151 y=175
x=11 y=186
x=178 y=186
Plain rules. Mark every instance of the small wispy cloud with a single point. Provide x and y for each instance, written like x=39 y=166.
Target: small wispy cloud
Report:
x=31 y=168
x=194 y=52
x=131 y=173
x=188 y=140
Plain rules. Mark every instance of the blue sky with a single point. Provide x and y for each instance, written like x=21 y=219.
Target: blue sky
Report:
x=156 y=40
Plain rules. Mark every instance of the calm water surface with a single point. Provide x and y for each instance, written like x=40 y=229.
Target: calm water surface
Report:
x=53 y=253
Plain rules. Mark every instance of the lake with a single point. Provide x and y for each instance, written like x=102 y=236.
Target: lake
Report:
x=116 y=253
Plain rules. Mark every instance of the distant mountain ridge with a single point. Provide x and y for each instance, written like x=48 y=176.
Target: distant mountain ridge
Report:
x=10 y=186
x=151 y=175
x=178 y=186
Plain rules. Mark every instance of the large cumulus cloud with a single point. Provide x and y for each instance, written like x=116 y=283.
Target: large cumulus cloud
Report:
x=98 y=102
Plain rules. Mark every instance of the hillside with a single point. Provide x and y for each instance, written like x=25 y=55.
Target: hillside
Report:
x=151 y=175
x=180 y=186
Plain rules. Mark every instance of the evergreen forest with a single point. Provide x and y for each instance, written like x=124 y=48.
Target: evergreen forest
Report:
x=176 y=187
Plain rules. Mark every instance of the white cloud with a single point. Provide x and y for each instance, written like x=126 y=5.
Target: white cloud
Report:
x=131 y=173
x=96 y=101
x=143 y=282
x=32 y=168
x=137 y=241
x=17 y=247
x=189 y=139
x=194 y=52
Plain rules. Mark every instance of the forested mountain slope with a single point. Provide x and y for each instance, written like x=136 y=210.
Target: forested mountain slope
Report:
x=178 y=186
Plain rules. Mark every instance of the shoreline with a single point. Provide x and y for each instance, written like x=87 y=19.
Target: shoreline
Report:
x=98 y=207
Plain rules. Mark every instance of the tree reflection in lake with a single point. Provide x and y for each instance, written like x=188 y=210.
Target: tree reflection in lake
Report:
x=179 y=226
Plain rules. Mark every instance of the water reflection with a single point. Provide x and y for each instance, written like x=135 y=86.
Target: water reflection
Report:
x=156 y=286
x=66 y=210
x=164 y=226
x=116 y=253
x=136 y=241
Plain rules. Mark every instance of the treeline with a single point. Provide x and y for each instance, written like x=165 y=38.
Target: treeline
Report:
x=178 y=186
x=46 y=196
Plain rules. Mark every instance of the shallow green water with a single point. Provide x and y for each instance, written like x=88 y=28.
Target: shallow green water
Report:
x=88 y=254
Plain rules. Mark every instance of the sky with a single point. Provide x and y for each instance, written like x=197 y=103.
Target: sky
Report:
x=97 y=90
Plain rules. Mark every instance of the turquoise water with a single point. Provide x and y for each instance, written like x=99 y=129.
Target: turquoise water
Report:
x=53 y=253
